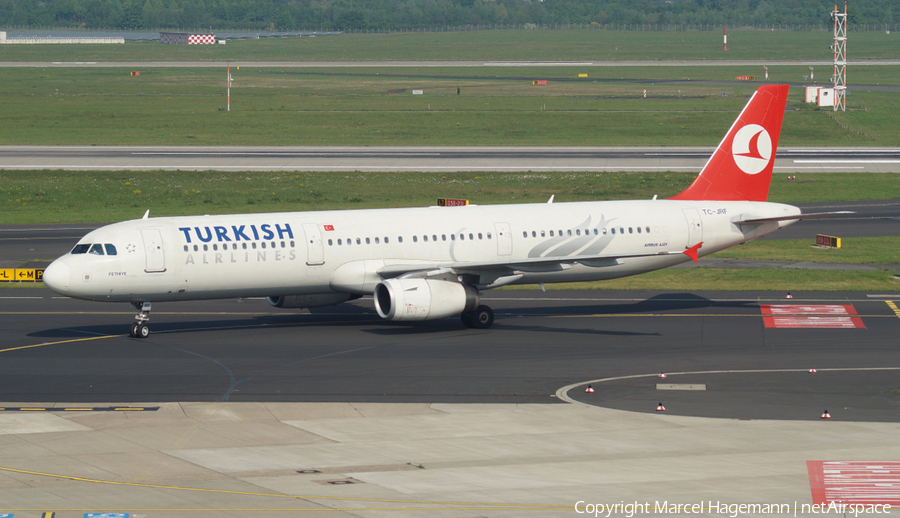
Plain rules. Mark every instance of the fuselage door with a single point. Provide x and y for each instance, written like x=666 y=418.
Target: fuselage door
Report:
x=504 y=239
x=153 y=250
x=315 y=254
x=695 y=230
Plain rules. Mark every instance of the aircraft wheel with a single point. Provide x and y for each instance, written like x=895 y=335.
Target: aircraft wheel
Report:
x=466 y=318
x=142 y=331
x=133 y=331
x=482 y=317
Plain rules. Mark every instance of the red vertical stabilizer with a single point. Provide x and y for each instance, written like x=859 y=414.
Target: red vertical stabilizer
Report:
x=741 y=167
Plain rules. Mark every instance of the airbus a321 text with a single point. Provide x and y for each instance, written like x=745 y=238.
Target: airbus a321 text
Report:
x=433 y=262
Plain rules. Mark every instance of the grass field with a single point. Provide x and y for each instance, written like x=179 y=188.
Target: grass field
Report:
x=375 y=106
x=29 y=197
x=496 y=106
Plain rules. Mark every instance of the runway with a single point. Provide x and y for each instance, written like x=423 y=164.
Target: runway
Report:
x=427 y=159
x=234 y=408
x=246 y=351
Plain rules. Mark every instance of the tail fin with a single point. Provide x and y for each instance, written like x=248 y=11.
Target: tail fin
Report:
x=741 y=167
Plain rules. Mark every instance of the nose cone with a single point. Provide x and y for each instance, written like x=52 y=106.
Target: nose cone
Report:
x=56 y=277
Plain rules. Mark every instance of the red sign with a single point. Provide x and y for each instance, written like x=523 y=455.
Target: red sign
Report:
x=854 y=482
x=826 y=316
x=329 y=228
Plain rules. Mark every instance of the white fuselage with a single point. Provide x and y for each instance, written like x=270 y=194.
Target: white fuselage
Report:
x=305 y=253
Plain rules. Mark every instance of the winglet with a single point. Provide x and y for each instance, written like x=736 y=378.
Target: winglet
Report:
x=692 y=252
x=146 y=214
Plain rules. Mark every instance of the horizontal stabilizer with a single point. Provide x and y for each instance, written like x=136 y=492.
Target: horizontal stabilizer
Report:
x=750 y=221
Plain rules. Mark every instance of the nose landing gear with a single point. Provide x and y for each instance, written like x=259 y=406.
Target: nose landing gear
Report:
x=140 y=328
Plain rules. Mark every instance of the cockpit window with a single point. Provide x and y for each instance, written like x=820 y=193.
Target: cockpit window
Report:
x=81 y=249
x=96 y=249
x=110 y=249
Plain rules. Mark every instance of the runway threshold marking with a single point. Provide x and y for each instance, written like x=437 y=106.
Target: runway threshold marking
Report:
x=854 y=482
x=825 y=316
x=448 y=505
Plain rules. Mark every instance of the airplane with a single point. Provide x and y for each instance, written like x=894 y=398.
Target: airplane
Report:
x=429 y=263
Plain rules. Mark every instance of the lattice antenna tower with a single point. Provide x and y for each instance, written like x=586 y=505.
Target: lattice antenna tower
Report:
x=839 y=79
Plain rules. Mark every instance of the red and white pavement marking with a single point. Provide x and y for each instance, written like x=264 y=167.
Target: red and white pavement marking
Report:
x=828 y=316
x=854 y=482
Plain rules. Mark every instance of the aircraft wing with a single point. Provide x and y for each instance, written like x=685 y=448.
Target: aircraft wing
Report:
x=506 y=269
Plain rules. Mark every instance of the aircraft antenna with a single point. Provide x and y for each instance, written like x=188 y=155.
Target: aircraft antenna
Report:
x=839 y=79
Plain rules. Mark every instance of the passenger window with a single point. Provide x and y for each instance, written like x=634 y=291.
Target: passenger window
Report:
x=462 y=237
x=96 y=250
x=263 y=244
x=415 y=239
x=569 y=232
x=329 y=242
x=551 y=233
x=206 y=247
x=578 y=232
x=434 y=237
x=489 y=235
x=185 y=248
x=243 y=245
x=425 y=238
x=630 y=230
x=621 y=230
x=479 y=235
x=377 y=240
x=533 y=233
x=399 y=239
x=639 y=230
x=196 y=248
x=358 y=241
x=368 y=242
x=542 y=233
x=471 y=237
x=613 y=230
x=252 y=245
x=647 y=229
x=110 y=249
x=386 y=240
x=81 y=249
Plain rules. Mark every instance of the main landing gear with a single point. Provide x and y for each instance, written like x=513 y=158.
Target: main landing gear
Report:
x=481 y=317
x=140 y=328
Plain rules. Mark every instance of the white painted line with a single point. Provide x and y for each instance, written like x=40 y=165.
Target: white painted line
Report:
x=846 y=161
x=680 y=386
x=563 y=392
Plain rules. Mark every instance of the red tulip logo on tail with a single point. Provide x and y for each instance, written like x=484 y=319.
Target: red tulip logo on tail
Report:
x=752 y=148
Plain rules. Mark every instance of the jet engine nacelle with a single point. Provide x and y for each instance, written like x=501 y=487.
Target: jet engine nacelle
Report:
x=423 y=299
x=308 y=301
